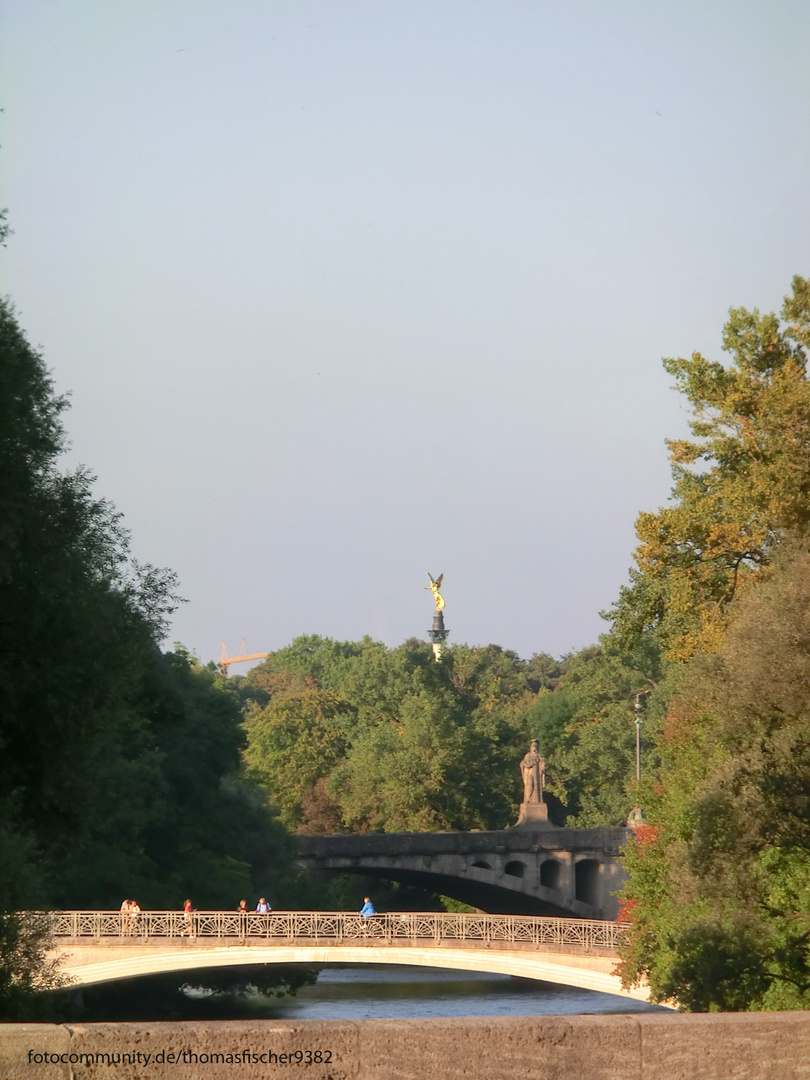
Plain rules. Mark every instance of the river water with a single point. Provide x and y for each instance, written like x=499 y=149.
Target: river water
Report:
x=369 y=992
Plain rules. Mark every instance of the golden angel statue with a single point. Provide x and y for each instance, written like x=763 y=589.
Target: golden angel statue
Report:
x=434 y=587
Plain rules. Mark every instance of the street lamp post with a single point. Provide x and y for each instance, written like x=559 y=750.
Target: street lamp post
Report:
x=639 y=709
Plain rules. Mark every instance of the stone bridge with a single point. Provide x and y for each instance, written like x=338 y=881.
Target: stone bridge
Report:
x=102 y=946
x=525 y=871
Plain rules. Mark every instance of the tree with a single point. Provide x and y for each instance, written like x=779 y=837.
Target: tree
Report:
x=587 y=732
x=410 y=773
x=293 y=745
x=79 y=619
x=175 y=817
x=740 y=484
x=357 y=736
x=25 y=969
x=718 y=899
x=119 y=765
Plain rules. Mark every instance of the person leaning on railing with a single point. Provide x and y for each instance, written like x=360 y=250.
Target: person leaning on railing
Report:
x=125 y=910
x=242 y=912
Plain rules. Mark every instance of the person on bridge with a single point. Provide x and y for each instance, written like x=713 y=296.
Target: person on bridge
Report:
x=368 y=909
x=263 y=908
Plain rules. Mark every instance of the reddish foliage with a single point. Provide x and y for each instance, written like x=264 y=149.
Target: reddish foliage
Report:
x=322 y=814
x=645 y=836
x=627 y=910
x=678 y=724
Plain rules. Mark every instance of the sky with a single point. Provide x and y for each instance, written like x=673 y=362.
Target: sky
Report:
x=345 y=291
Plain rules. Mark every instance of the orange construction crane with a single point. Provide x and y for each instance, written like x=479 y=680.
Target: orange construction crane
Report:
x=225 y=660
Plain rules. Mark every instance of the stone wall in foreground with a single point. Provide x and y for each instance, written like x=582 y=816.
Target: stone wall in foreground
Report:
x=752 y=1046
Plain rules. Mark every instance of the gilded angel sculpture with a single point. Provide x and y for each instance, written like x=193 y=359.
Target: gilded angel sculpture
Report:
x=434 y=587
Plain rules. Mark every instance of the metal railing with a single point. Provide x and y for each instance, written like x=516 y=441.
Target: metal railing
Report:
x=337 y=927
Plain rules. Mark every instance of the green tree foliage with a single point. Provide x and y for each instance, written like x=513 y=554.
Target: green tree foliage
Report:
x=719 y=892
x=356 y=736
x=295 y=743
x=26 y=971
x=79 y=617
x=739 y=484
x=587 y=728
x=173 y=816
x=119 y=766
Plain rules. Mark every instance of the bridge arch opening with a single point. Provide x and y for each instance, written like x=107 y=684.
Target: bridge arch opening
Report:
x=515 y=868
x=594 y=975
x=482 y=864
x=586 y=881
x=550 y=874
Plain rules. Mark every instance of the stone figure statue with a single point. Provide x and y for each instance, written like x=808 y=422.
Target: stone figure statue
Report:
x=533 y=771
x=434 y=587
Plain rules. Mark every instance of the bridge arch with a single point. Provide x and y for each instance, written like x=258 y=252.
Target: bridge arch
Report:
x=551 y=968
x=550 y=874
x=586 y=877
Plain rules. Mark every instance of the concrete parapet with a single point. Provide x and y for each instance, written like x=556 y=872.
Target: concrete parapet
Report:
x=606 y=840
x=736 y=1046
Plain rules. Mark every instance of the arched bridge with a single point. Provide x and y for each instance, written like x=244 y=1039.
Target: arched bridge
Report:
x=102 y=946
x=526 y=871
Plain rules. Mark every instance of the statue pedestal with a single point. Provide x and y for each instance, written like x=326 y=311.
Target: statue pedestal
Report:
x=533 y=814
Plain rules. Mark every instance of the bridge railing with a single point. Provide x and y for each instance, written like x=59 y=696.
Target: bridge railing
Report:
x=334 y=927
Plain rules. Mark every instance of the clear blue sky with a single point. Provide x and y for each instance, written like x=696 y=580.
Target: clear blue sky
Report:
x=349 y=290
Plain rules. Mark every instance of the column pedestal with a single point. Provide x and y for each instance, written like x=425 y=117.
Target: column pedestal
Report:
x=534 y=813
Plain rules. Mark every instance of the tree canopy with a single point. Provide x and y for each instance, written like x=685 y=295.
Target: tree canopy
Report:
x=718 y=899
x=357 y=737
x=740 y=484
x=120 y=766
x=719 y=892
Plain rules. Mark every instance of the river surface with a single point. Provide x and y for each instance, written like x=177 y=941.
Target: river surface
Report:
x=369 y=992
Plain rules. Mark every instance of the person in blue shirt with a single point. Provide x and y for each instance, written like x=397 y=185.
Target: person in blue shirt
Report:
x=367 y=910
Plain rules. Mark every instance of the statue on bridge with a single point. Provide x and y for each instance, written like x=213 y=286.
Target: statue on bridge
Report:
x=533 y=810
x=533 y=771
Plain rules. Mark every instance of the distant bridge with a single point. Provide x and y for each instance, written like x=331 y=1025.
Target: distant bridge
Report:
x=526 y=871
x=102 y=946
